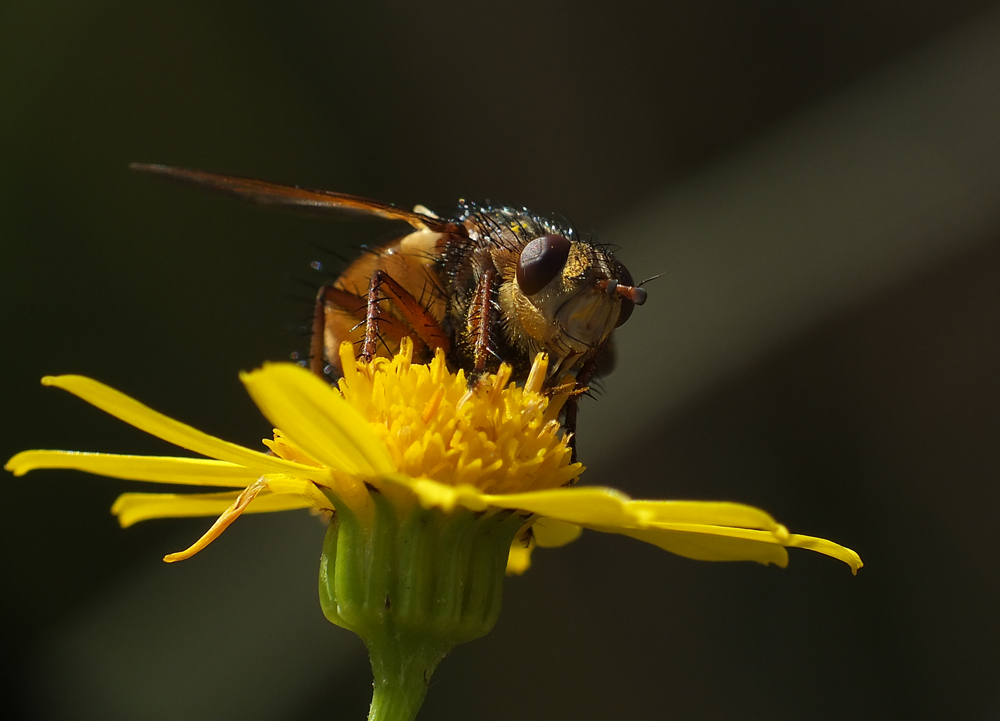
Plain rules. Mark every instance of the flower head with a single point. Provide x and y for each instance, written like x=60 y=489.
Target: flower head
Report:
x=420 y=435
x=434 y=488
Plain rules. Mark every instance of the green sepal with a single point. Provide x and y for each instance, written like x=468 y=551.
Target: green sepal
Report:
x=413 y=583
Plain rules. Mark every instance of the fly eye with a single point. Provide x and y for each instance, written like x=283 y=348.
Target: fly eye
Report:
x=625 y=312
x=541 y=260
x=627 y=306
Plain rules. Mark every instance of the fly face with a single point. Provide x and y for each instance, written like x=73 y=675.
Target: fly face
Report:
x=557 y=293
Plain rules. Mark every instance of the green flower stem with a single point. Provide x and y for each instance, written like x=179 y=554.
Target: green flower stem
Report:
x=402 y=668
x=413 y=584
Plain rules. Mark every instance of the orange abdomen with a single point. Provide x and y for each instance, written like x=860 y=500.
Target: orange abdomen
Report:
x=412 y=262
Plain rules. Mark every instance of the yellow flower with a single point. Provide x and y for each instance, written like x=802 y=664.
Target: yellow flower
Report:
x=433 y=489
x=419 y=435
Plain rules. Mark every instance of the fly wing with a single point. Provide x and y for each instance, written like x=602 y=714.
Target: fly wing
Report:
x=264 y=193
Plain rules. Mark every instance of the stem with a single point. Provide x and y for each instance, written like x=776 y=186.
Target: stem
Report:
x=402 y=671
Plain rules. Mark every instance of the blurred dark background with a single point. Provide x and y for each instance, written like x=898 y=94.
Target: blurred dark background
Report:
x=820 y=183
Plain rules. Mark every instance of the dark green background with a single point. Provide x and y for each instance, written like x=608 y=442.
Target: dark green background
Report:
x=877 y=426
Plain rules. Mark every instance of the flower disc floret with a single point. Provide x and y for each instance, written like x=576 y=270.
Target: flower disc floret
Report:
x=495 y=435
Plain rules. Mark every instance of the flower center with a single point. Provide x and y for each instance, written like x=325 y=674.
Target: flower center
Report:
x=494 y=435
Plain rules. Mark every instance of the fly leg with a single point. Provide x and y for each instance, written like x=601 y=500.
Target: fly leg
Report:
x=572 y=406
x=479 y=320
x=338 y=314
x=369 y=345
x=425 y=326
x=329 y=296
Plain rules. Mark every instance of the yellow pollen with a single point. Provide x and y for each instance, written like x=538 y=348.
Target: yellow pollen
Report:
x=495 y=435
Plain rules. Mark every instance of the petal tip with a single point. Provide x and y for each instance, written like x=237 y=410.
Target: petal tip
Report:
x=248 y=376
x=271 y=369
x=16 y=464
x=117 y=509
x=263 y=368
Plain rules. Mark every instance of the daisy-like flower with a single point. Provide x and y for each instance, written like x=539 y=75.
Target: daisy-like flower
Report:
x=434 y=490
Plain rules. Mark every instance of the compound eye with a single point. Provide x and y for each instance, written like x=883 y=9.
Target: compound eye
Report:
x=627 y=306
x=541 y=260
x=625 y=312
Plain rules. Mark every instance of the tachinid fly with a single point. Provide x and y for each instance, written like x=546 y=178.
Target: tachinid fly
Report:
x=488 y=285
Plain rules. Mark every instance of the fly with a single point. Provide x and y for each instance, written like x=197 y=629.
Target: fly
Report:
x=487 y=285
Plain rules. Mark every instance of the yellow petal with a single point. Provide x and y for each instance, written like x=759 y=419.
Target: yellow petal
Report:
x=223 y=522
x=589 y=506
x=829 y=548
x=157 y=469
x=592 y=506
x=432 y=494
x=180 y=434
x=519 y=557
x=715 y=543
x=542 y=533
x=317 y=419
x=131 y=508
x=294 y=486
x=703 y=536
x=708 y=547
x=711 y=512
x=275 y=493
x=550 y=533
x=581 y=505
x=781 y=537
